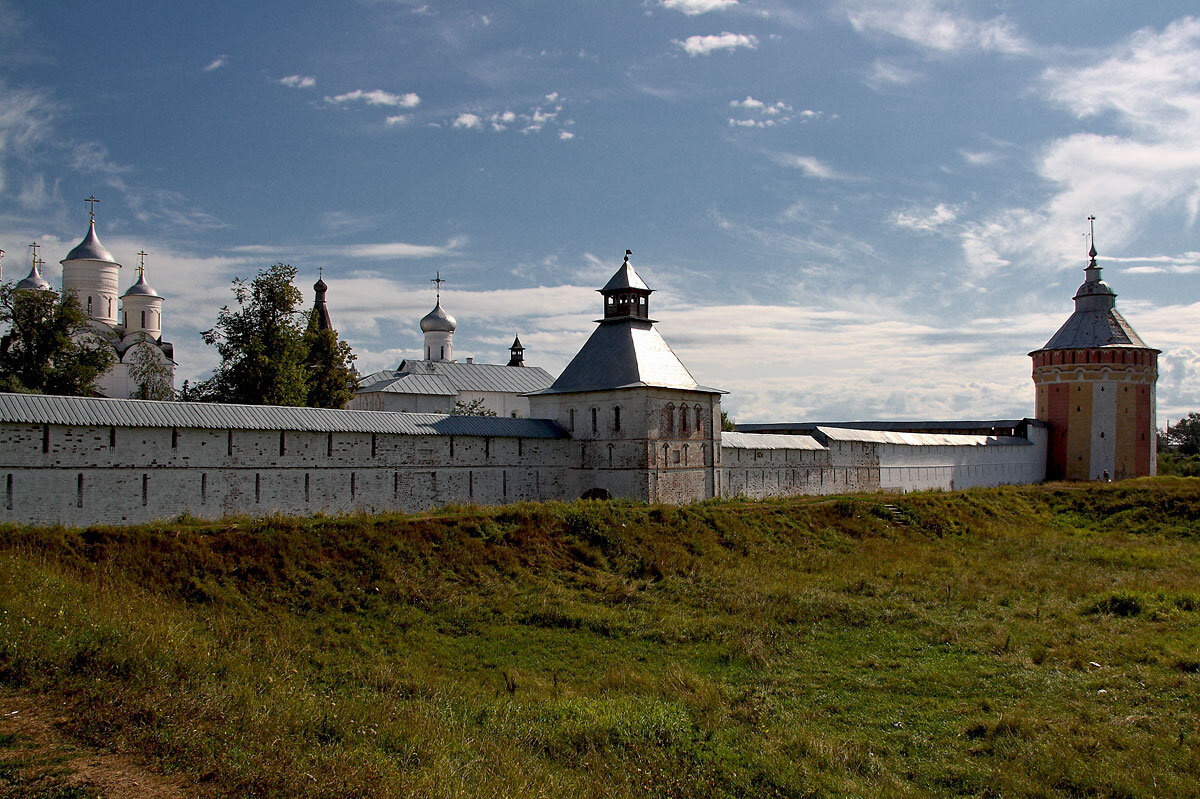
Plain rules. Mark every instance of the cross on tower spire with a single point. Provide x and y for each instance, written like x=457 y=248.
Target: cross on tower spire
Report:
x=437 y=281
x=1092 y=239
x=91 y=201
x=34 y=246
x=142 y=263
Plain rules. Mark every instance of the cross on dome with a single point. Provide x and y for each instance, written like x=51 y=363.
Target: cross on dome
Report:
x=91 y=201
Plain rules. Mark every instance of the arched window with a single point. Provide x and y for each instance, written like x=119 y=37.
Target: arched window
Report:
x=669 y=419
x=89 y=306
x=699 y=420
x=683 y=420
x=143 y=318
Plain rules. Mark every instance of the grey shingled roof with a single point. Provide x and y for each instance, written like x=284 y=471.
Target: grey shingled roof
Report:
x=98 y=412
x=625 y=353
x=1095 y=328
x=625 y=278
x=434 y=385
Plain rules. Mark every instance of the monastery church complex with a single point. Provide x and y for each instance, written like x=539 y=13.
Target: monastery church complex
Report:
x=624 y=419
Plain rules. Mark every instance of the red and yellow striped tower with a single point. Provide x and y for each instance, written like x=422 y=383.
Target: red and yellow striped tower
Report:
x=1095 y=387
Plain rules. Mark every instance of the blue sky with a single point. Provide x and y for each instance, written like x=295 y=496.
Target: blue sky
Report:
x=849 y=209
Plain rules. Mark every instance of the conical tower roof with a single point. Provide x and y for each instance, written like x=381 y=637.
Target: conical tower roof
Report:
x=90 y=249
x=35 y=279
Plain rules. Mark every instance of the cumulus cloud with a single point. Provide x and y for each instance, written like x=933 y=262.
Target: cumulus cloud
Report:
x=298 y=81
x=395 y=120
x=759 y=114
x=936 y=25
x=377 y=97
x=694 y=7
x=529 y=120
x=706 y=45
x=468 y=121
x=566 y=135
x=1147 y=163
x=217 y=63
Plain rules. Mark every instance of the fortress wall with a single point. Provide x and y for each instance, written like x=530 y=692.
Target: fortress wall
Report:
x=756 y=472
x=79 y=475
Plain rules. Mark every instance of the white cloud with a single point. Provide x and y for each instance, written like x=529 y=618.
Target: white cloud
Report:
x=531 y=120
x=925 y=220
x=217 y=63
x=298 y=81
x=467 y=120
x=936 y=25
x=1148 y=90
x=26 y=118
x=396 y=119
x=981 y=158
x=767 y=115
x=705 y=45
x=810 y=166
x=694 y=7
x=566 y=135
x=885 y=74
x=377 y=97
x=369 y=251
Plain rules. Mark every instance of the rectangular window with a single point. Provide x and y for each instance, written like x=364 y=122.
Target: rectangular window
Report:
x=594 y=427
x=329 y=446
x=112 y=438
x=257 y=487
x=353 y=484
x=306 y=492
x=572 y=418
x=174 y=438
x=471 y=484
x=229 y=444
x=8 y=492
x=487 y=448
x=395 y=485
x=145 y=489
x=617 y=418
x=79 y=491
x=504 y=478
x=203 y=488
x=374 y=444
x=45 y=438
x=282 y=442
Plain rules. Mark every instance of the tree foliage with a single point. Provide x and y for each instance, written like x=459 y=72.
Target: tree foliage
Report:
x=1184 y=435
x=50 y=347
x=149 y=372
x=268 y=356
x=475 y=407
x=331 y=380
x=727 y=424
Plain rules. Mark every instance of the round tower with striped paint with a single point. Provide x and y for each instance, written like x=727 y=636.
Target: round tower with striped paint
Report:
x=1095 y=383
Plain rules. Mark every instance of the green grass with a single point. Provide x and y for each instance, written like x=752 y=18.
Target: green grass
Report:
x=1035 y=641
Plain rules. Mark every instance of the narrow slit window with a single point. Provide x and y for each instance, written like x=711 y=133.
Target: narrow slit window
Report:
x=329 y=446
x=145 y=490
x=79 y=490
x=174 y=438
x=229 y=443
x=8 y=492
x=112 y=438
x=617 y=418
x=203 y=487
x=45 y=438
x=282 y=442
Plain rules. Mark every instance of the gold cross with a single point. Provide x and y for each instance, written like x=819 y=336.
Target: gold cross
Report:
x=142 y=266
x=34 y=247
x=438 y=282
x=92 y=210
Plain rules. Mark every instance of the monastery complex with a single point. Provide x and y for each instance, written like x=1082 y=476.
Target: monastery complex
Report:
x=624 y=419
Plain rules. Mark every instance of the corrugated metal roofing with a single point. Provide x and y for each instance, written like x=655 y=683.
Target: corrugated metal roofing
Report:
x=459 y=377
x=625 y=353
x=41 y=409
x=957 y=426
x=414 y=384
x=920 y=439
x=768 y=441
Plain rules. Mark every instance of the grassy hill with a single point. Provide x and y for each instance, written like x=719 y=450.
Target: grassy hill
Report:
x=1034 y=641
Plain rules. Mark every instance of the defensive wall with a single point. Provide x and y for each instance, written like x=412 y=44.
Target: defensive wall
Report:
x=77 y=461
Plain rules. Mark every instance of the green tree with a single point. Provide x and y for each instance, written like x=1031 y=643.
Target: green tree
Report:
x=475 y=407
x=50 y=346
x=727 y=424
x=330 y=379
x=149 y=371
x=261 y=343
x=1184 y=435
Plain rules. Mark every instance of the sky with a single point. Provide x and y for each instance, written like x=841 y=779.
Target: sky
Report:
x=849 y=210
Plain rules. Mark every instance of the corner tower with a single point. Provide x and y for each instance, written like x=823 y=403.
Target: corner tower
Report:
x=1095 y=384
x=641 y=426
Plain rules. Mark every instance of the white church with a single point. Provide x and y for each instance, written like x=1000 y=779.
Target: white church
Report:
x=128 y=323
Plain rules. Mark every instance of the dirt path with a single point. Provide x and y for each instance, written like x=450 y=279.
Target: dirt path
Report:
x=39 y=759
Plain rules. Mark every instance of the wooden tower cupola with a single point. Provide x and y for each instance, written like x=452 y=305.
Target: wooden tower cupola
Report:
x=626 y=295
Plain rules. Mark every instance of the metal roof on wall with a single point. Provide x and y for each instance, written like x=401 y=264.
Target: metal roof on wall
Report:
x=457 y=377
x=99 y=412
x=920 y=439
x=768 y=441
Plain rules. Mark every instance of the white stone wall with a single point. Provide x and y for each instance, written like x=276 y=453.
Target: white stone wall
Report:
x=54 y=474
x=953 y=468
x=756 y=472
x=650 y=454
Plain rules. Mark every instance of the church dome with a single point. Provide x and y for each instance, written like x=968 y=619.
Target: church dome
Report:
x=90 y=249
x=438 y=321
x=34 y=280
x=141 y=288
